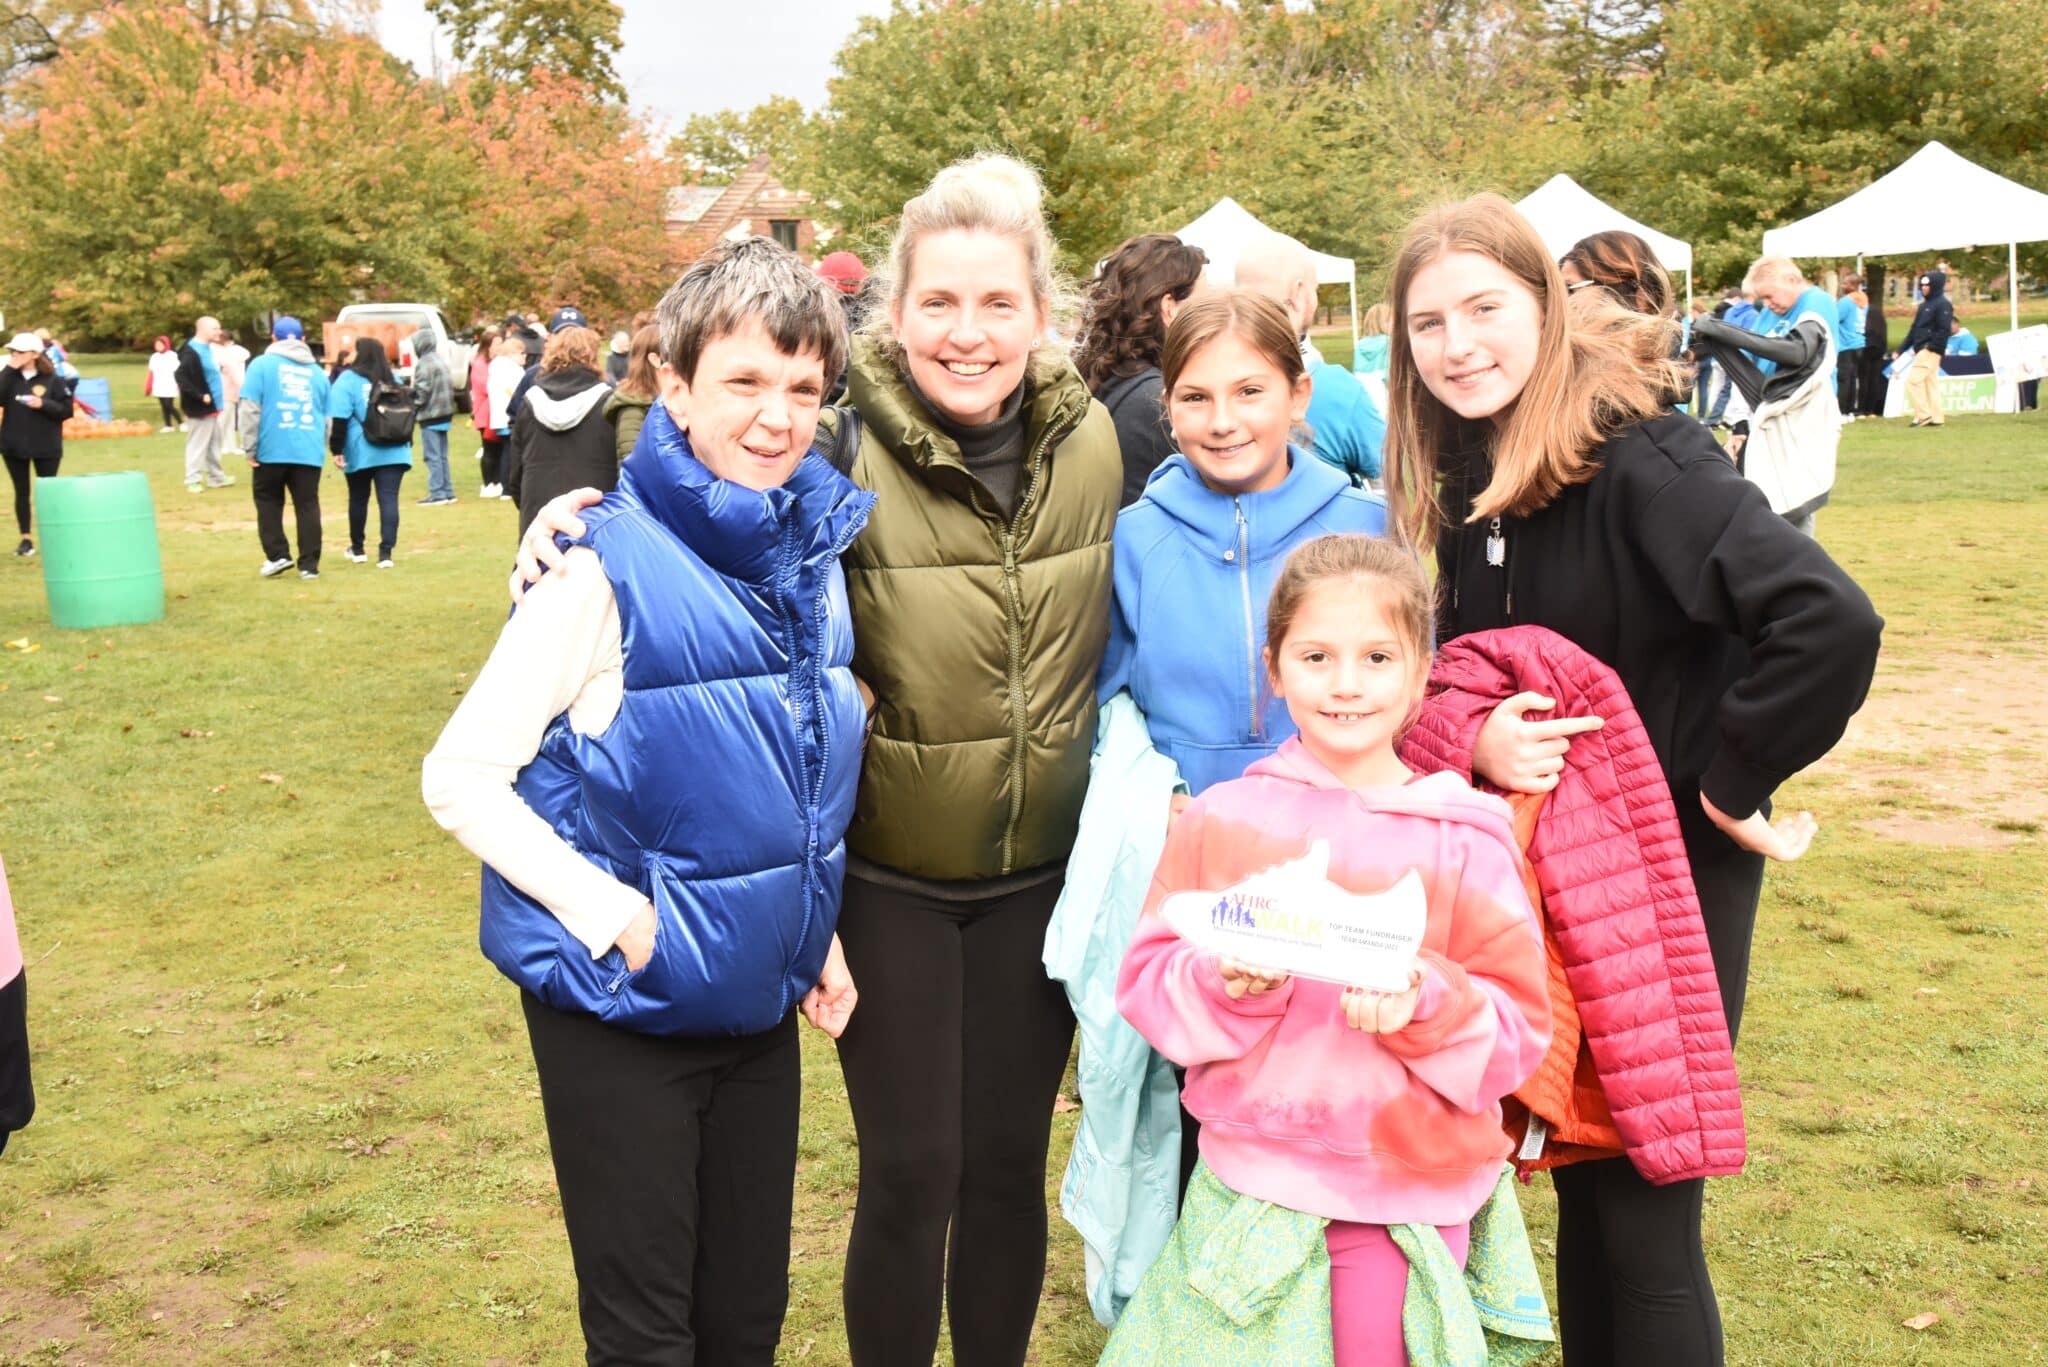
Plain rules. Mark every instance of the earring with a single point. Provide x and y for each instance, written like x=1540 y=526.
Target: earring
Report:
x=1035 y=341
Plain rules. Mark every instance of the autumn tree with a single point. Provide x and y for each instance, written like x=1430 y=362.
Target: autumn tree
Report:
x=575 y=198
x=1125 y=106
x=504 y=40
x=165 y=174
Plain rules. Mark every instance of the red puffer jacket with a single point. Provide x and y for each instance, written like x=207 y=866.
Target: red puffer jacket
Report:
x=1617 y=894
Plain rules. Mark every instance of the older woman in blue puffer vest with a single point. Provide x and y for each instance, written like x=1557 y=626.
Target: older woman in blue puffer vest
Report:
x=657 y=766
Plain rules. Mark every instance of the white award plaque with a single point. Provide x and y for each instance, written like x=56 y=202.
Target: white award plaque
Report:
x=1293 y=919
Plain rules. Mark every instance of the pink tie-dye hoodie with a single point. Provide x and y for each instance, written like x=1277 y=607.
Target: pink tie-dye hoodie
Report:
x=1296 y=1107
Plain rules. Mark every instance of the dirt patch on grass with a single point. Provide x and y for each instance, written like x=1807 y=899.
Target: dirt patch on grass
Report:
x=1958 y=745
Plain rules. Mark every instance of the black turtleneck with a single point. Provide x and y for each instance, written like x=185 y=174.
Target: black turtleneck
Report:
x=993 y=451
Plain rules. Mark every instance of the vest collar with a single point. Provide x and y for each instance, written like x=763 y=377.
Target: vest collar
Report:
x=736 y=530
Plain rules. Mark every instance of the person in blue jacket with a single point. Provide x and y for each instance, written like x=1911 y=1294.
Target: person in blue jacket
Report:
x=1345 y=427
x=1961 y=341
x=283 y=416
x=367 y=465
x=1196 y=556
x=1850 y=308
x=657 y=766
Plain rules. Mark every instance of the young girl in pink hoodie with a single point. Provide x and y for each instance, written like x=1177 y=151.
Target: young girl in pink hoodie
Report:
x=1360 y=1108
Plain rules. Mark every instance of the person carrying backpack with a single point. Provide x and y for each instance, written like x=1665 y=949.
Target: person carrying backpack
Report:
x=369 y=432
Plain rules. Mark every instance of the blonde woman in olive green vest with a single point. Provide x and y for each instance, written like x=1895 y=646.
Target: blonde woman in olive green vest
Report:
x=981 y=597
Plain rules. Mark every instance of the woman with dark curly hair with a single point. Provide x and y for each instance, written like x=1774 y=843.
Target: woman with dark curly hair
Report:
x=1132 y=298
x=1622 y=264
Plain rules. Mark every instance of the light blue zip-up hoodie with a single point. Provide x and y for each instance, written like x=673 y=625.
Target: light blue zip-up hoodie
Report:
x=1193 y=571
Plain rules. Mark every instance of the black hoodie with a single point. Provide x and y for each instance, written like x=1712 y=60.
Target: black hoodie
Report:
x=560 y=441
x=1931 y=323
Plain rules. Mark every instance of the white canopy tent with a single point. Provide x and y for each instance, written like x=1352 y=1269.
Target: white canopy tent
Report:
x=1934 y=200
x=1223 y=232
x=1563 y=211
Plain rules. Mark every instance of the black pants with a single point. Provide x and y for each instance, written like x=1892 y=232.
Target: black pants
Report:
x=384 y=478
x=170 y=407
x=1871 y=382
x=269 y=487
x=1848 y=369
x=17 y=470
x=17 y=1096
x=494 y=455
x=952 y=1062
x=1632 y=1283
x=676 y=1160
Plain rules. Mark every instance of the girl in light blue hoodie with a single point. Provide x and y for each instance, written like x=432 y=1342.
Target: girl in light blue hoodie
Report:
x=1197 y=554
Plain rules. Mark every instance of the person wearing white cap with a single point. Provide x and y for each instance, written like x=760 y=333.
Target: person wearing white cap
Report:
x=35 y=400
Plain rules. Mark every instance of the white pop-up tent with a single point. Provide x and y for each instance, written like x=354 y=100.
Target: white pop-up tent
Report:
x=1563 y=211
x=1223 y=232
x=1934 y=200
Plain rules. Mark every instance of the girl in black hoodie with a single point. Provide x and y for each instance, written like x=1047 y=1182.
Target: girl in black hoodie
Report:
x=1573 y=498
x=560 y=440
x=34 y=402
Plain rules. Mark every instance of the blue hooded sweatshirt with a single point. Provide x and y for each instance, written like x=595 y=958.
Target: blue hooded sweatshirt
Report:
x=1193 y=571
x=1349 y=431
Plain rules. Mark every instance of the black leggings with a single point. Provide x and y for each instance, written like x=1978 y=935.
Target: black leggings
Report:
x=676 y=1160
x=384 y=479
x=494 y=453
x=1633 y=1288
x=17 y=470
x=170 y=407
x=952 y=1061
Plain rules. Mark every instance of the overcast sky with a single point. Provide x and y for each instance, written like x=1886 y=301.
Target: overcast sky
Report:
x=684 y=57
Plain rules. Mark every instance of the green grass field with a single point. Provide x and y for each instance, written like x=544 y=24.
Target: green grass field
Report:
x=288 y=1114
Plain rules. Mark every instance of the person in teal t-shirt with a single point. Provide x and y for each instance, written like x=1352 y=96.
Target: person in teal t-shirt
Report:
x=364 y=463
x=284 y=405
x=1961 y=341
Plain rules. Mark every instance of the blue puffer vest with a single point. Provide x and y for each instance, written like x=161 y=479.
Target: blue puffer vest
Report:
x=723 y=787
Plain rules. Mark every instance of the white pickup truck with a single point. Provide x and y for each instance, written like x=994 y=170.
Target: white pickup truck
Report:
x=427 y=318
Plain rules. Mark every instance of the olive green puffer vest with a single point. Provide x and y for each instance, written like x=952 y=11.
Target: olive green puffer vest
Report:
x=980 y=638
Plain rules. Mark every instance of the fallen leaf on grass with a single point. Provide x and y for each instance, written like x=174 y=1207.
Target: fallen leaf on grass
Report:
x=192 y=733
x=1925 y=1320
x=270 y=778
x=24 y=645
x=51 y=697
x=220 y=787
x=339 y=968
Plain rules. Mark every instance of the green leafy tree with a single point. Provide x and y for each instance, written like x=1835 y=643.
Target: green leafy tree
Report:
x=1371 y=110
x=166 y=175
x=505 y=40
x=1127 y=107
x=1764 y=113
x=713 y=148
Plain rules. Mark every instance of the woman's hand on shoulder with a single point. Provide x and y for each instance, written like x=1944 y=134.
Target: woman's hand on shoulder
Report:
x=537 y=550
x=1524 y=755
x=1783 y=840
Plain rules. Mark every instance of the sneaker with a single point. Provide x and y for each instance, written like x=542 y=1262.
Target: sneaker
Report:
x=184 y=427
x=26 y=548
x=490 y=491
x=166 y=428
x=309 y=574
x=507 y=498
x=385 y=563
x=273 y=568
x=432 y=502
x=223 y=482
x=356 y=557
x=193 y=486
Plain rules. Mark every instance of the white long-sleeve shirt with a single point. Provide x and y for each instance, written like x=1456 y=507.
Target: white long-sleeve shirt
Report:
x=561 y=651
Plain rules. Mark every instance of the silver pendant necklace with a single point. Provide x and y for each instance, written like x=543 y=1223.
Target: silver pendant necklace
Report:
x=1496 y=545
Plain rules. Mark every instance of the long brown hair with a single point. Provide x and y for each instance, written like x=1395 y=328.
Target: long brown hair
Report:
x=641 y=381
x=1623 y=264
x=1598 y=368
x=1123 y=332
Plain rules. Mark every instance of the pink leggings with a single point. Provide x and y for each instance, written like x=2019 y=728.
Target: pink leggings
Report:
x=1368 y=1278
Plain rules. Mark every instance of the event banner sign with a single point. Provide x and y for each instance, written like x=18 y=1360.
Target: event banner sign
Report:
x=1292 y=918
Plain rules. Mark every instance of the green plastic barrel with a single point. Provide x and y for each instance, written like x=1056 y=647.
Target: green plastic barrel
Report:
x=97 y=536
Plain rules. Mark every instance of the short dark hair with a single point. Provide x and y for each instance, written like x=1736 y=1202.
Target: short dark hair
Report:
x=756 y=278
